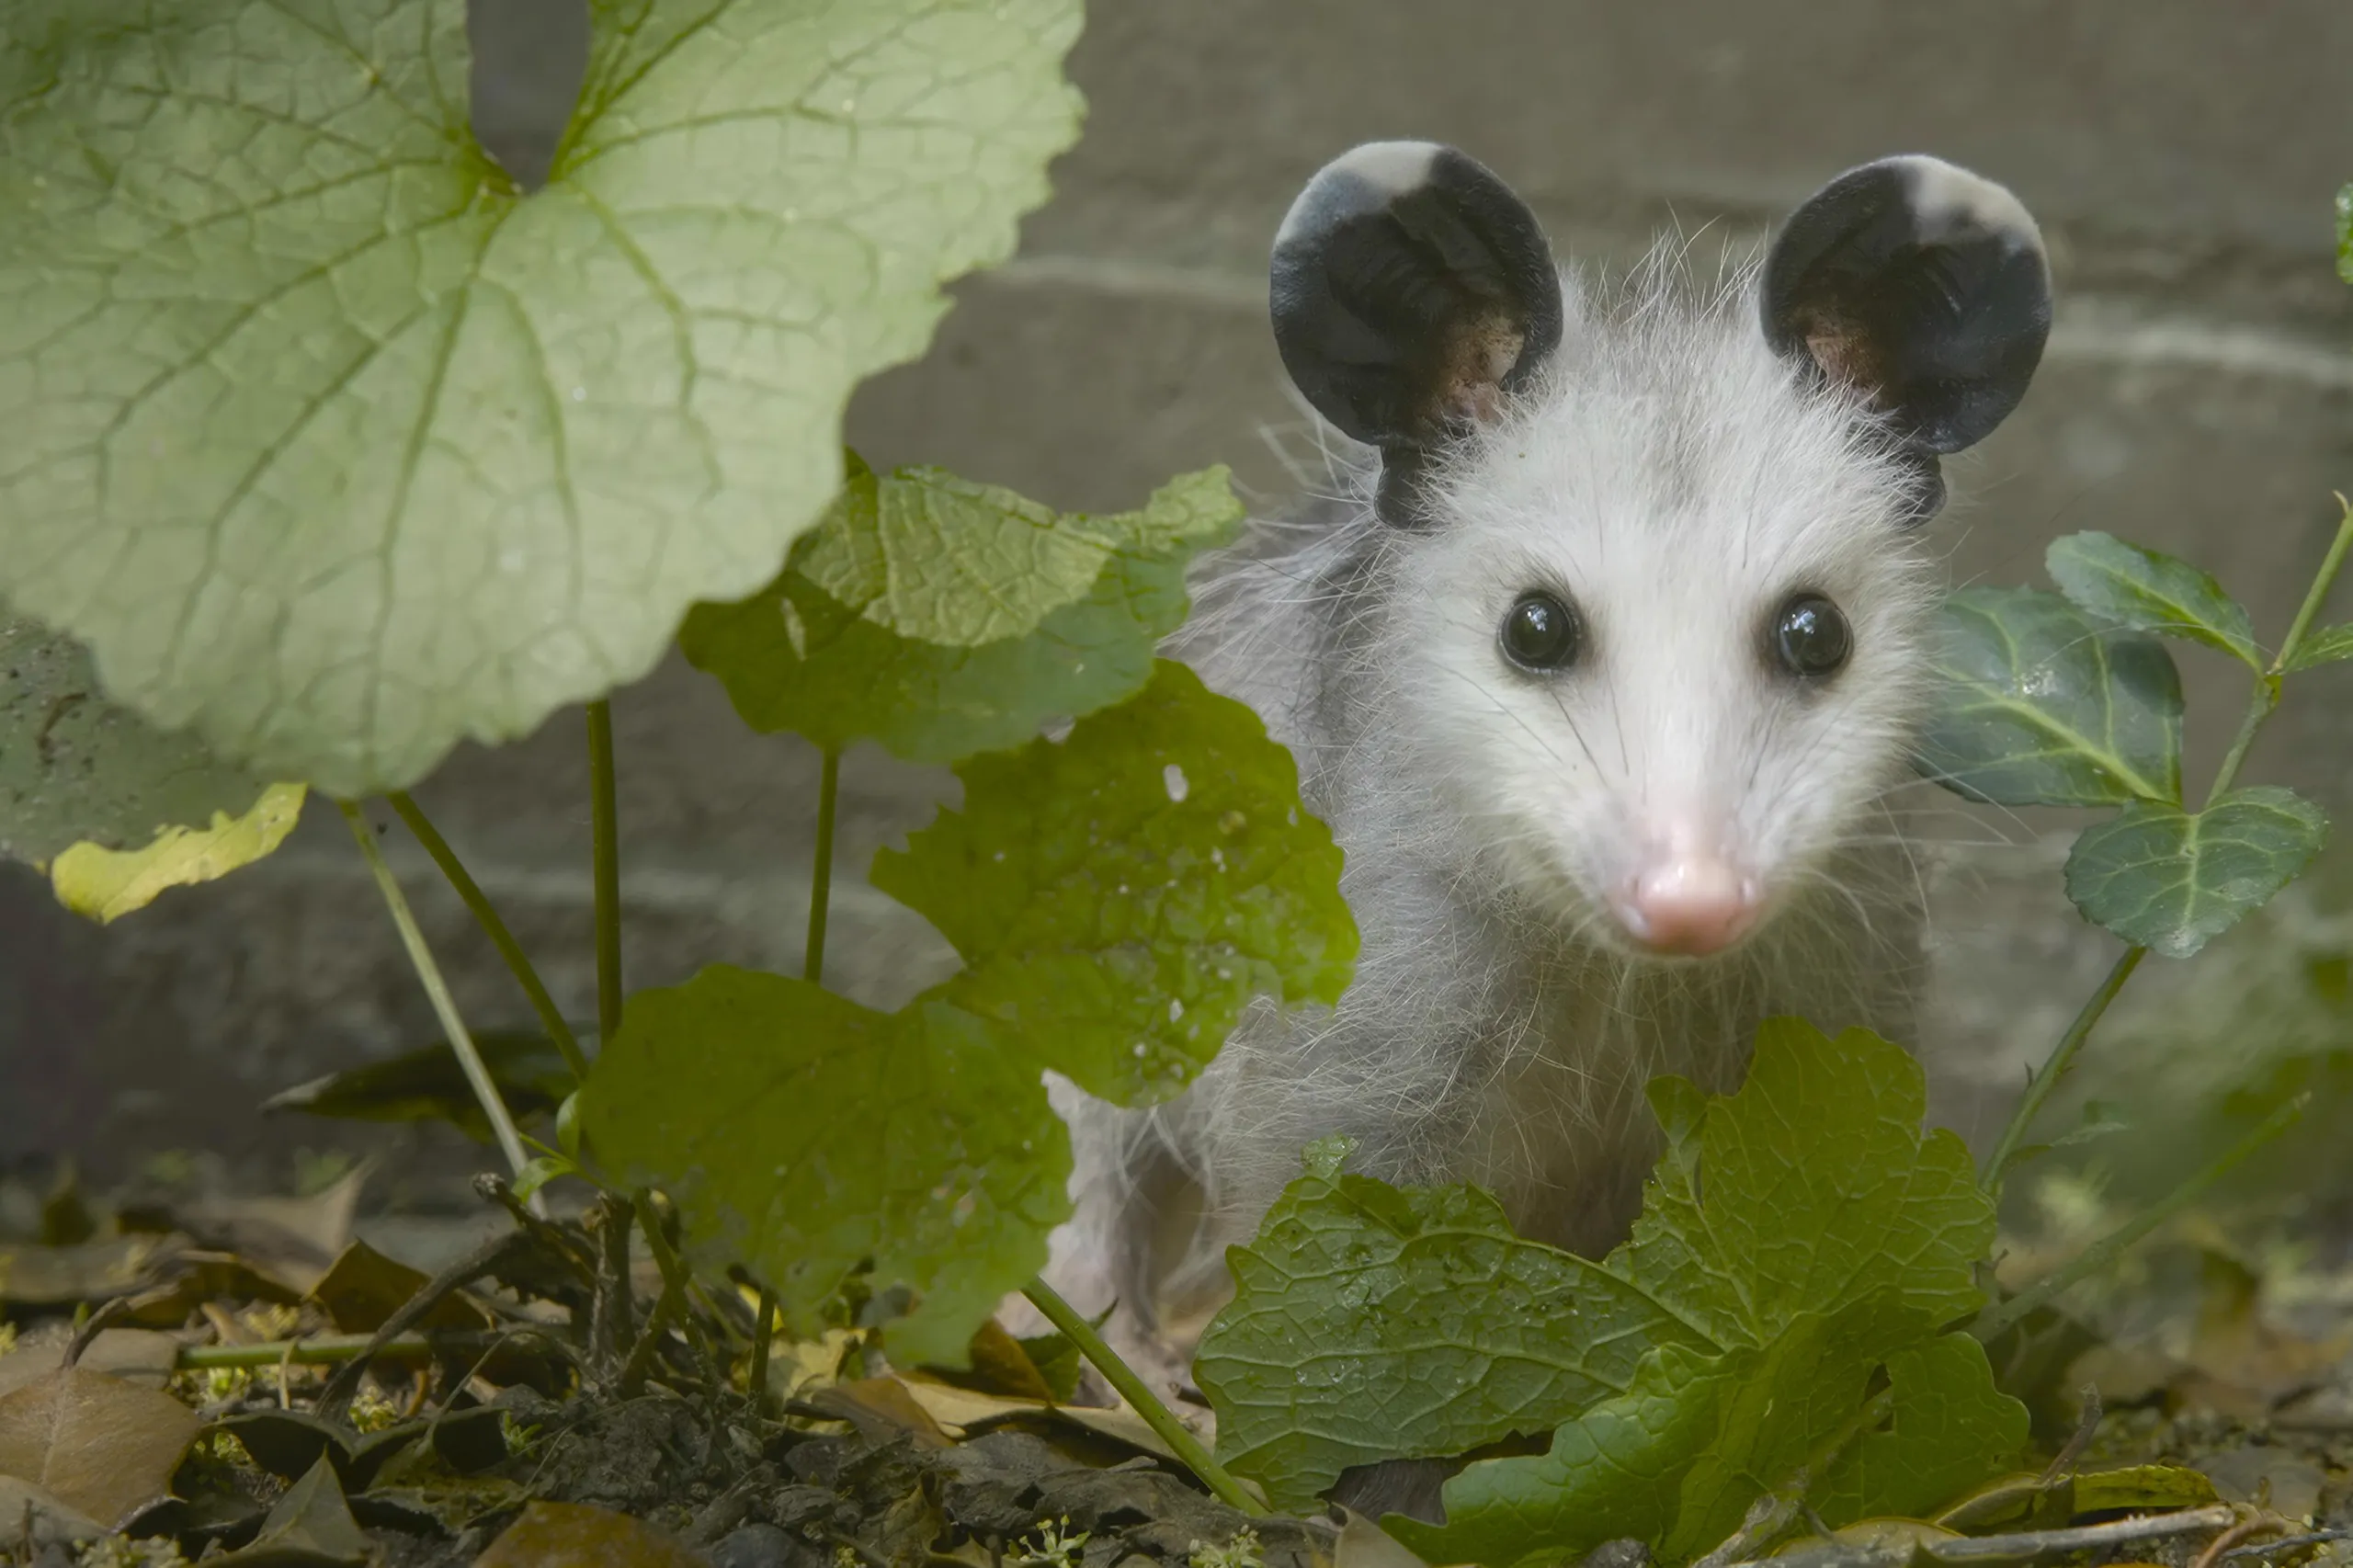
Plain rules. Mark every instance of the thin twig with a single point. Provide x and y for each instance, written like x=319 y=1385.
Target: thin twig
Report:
x=1157 y=1416
x=676 y=1279
x=604 y=813
x=758 y=1378
x=2062 y=1463
x=486 y=915
x=2002 y=1549
x=2288 y=1543
x=821 y=878
x=2238 y=1532
x=482 y=1260
x=2000 y=1316
x=420 y=958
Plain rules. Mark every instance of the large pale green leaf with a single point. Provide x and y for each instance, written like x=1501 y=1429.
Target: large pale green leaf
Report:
x=76 y=768
x=2039 y=705
x=2172 y=881
x=1075 y=607
x=2150 y=591
x=336 y=449
x=1126 y=892
x=1457 y=1323
x=808 y=1138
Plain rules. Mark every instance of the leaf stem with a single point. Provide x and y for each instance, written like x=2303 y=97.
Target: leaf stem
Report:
x=604 y=825
x=2000 y=1316
x=1175 y=1433
x=821 y=878
x=323 y=1350
x=486 y=914
x=437 y=990
x=2263 y=699
x=2063 y=1056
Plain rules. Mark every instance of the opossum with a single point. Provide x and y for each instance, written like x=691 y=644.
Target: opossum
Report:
x=1601 y=660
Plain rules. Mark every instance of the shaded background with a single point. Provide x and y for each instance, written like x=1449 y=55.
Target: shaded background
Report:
x=2197 y=396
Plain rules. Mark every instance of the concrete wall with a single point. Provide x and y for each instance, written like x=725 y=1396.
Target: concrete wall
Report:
x=2198 y=396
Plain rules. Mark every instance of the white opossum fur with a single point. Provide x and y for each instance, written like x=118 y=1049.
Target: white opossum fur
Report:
x=1666 y=473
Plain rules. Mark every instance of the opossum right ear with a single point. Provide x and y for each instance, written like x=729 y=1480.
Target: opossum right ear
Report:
x=1411 y=292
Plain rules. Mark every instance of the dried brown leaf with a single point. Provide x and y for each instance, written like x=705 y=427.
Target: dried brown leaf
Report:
x=101 y=1445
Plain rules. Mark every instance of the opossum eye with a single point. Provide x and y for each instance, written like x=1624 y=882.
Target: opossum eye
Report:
x=1541 y=632
x=1810 y=637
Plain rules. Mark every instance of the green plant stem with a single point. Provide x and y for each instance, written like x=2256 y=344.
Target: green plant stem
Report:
x=2063 y=1056
x=2263 y=700
x=756 y=1379
x=420 y=958
x=325 y=1350
x=1175 y=1433
x=486 y=914
x=2001 y=1315
x=821 y=878
x=605 y=826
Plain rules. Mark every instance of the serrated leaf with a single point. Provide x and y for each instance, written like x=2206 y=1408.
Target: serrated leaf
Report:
x=2039 y=705
x=2150 y=591
x=809 y=1137
x=106 y=884
x=1813 y=1186
x=1950 y=1430
x=1125 y=892
x=336 y=449
x=2172 y=881
x=2327 y=646
x=864 y=661
x=76 y=768
x=1615 y=1472
x=1370 y=1322
x=1458 y=1323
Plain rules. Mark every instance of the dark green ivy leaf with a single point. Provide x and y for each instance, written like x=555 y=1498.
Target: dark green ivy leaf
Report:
x=2039 y=705
x=2172 y=881
x=2149 y=591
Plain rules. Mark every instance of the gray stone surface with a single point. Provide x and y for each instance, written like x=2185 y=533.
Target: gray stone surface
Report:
x=2198 y=396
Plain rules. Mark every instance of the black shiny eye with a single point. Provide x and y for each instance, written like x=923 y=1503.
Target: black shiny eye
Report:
x=1810 y=637
x=1541 y=632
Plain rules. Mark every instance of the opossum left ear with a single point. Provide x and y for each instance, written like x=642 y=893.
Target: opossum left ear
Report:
x=1920 y=283
x=1411 y=290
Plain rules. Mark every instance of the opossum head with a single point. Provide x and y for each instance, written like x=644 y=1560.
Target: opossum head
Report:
x=1647 y=622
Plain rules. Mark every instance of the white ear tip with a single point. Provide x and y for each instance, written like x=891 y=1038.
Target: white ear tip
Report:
x=1949 y=199
x=1364 y=177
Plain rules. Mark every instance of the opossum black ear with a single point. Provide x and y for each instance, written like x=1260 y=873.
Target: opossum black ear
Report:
x=1921 y=283
x=1411 y=291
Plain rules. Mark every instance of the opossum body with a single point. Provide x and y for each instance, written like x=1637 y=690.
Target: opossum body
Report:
x=1600 y=665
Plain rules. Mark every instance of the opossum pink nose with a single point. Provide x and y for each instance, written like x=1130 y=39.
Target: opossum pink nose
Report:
x=1689 y=904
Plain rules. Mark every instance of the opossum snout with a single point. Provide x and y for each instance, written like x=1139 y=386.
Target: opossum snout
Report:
x=1686 y=896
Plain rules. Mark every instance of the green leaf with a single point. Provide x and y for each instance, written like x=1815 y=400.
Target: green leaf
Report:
x=2149 y=591
x=429 y=1085
x=336 y=449
x=2040 y=706
x=1951 y=1429
x=2345 y=233
x=874 y=629
x=106 y=884
x=1811 y=1188
x=2327 y=646
x=1454 y=1320
x=811 y=1139
x=1614 y=1473
x=1125 y=892
x=76 y=768
x=1370 y=1322
x=2172 y=881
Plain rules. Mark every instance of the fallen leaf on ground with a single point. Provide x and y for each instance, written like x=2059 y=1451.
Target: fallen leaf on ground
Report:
x=312 y=1527
x=102 y=1446
x=135 y=1355
x=363 y=1287
x=566 y=1535
x=27 y=1513
x=94 y=1271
